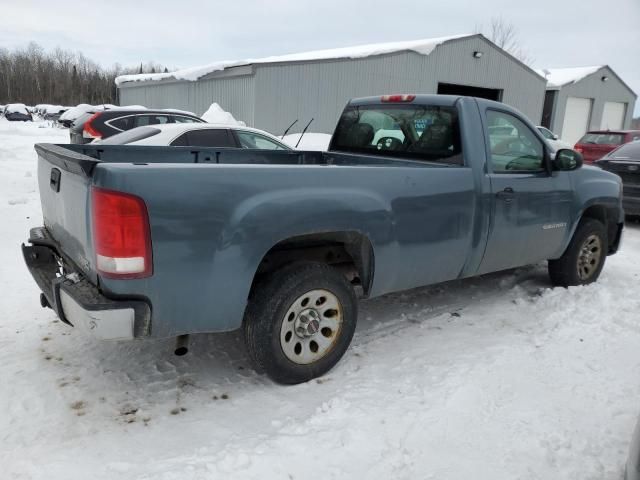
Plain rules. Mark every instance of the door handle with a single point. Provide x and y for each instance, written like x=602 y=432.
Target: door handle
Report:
x=507 y=194
x=54 y=180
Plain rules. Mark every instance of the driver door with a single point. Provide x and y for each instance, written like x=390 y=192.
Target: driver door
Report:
x=530 y=206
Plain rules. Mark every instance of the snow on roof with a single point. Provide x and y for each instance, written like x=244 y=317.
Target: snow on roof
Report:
x=558 y=77
x=423 y=47
x=16 y=108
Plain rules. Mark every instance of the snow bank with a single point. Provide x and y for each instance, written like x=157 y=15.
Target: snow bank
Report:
x=310 y=141
x=557 y=77
x=423 y=47
x=216 y=114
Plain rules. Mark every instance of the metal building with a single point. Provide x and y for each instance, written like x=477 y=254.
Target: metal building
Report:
x=270 y=93
x=579 y=99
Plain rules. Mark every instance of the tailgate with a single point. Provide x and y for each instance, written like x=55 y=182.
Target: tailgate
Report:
x=64 y=181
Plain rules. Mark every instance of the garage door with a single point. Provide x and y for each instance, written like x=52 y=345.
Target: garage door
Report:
x=613 y=115
x=576 y=119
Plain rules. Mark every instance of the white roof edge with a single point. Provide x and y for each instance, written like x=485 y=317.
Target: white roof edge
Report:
x=560 y=77
x=423 y=47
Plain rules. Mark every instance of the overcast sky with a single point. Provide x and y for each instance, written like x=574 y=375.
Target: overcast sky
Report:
x=182 y=33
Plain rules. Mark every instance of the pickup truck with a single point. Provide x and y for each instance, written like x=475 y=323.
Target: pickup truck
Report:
x=141 y=241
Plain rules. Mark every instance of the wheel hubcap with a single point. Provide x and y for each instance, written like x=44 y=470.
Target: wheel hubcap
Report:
x=589 y=257
x=311 y=326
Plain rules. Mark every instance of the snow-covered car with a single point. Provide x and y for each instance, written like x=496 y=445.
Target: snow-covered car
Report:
x=198 y=135
x=17 y=112
x=552 y=139
x=51 y=112
x=68 y=117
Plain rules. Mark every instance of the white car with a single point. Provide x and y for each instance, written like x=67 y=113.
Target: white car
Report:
x=553 y=139
x=198 y=135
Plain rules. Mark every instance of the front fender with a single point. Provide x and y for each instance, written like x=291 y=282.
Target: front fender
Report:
x=594 y=187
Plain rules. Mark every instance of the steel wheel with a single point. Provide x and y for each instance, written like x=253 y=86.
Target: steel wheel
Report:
x=589 y=257
x=311 y=326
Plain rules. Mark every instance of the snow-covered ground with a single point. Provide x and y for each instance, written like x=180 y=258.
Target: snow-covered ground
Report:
x=498 y=377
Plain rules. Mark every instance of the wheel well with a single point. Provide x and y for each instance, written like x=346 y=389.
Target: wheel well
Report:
x=350 y=252
x=604 y=215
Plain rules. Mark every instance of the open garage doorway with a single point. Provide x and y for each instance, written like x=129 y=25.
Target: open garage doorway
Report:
x=469 y=91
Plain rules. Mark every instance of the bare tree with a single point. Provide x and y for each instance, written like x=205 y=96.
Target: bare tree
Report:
x=505 y=35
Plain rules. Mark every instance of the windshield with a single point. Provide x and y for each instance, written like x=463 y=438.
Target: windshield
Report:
x=603 y=138
x=421 y=132
x=130 y=136
x=627 y=151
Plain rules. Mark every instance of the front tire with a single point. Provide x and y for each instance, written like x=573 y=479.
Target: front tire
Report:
x=584 y=258
x=300 y=321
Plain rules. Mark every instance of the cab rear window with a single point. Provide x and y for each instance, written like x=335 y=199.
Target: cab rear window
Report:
x=421 y=132
x=603 y=139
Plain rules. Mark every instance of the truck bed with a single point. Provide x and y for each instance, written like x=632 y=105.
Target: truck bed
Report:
x=215 y=213
x=83 y=158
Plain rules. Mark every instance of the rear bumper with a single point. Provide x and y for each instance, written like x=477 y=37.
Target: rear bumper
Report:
x=76 y=300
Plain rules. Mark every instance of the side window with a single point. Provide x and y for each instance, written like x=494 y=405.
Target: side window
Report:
x=181 y=141
x=122 y=123
x=546 y=133
x=185 y=120
x=144 y=120
x=396 y=129
x=211 y=137
x=514 y=147
x=253 y=140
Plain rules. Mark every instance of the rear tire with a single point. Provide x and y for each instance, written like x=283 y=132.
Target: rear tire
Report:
x=584 y=258
x=299 y=322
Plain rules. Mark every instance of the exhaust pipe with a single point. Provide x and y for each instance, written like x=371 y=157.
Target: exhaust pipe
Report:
x=182 y=345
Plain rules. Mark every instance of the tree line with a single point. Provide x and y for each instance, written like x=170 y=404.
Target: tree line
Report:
x=60 y=77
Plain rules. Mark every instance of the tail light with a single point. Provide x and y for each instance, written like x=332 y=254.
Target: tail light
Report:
x=122 y=239
x=398 y=98
x=88 y=131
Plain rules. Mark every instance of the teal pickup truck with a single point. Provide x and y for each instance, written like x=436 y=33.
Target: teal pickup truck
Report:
x=142 y=242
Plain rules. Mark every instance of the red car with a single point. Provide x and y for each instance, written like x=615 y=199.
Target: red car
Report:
x=596 y=144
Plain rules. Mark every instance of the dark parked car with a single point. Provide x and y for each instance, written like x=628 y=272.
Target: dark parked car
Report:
x=596 y=144
x=17 y=112
x=625 y=162
x=104 y=124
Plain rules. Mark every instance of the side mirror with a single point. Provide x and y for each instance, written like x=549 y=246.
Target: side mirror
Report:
x=555 y=137
x=567 y=160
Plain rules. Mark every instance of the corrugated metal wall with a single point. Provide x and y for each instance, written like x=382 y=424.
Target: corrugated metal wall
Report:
x=613 y=90
x=234 y=94
x=278 y=94
x=321 y=89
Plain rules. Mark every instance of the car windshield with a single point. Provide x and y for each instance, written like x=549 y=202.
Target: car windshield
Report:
x=133 y=135
x=603 y=138
x=421 y=132
x=545 y=133
x=629 y=150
